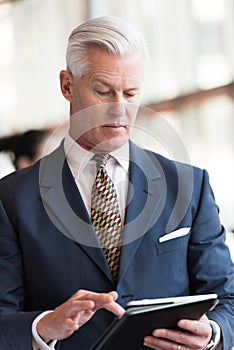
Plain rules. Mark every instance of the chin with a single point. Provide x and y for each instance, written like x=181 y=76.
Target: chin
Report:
x=110 y=145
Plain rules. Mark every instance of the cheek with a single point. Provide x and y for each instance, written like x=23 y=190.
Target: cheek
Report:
x=82 y=97
x=131 y=113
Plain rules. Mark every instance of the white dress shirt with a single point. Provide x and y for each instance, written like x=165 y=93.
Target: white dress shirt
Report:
x=83 y=169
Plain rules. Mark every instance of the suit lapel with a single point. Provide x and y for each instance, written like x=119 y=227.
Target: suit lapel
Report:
x=146 y=198
x=65 y=208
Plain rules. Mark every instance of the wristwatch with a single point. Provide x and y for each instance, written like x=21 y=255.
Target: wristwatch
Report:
x=212 y=341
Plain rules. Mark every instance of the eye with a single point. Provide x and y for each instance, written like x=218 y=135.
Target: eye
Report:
x=103 y=93
x=129 y=94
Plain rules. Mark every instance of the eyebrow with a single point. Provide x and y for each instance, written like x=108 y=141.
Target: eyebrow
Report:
x=99 y=80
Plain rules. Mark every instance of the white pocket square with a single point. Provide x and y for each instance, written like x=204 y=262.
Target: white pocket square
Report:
x=175 y=234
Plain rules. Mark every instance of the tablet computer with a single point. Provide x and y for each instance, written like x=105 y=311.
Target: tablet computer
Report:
x=143 y=316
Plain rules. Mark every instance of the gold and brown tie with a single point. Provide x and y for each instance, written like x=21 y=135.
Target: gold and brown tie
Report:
x=105 y=214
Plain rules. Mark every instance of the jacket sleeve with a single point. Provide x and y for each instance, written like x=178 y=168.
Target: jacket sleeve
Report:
x=210 y=263
x=14 y=320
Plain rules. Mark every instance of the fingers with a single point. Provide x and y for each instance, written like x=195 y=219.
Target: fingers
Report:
x=192 y=335
x=115 y=308
x=72 y=308
x=65 y=319
x=76 y=311
x=201 y=327
x=83 y=294
x=101 y=300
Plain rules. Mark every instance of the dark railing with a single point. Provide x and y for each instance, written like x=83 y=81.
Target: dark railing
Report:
x=192 y=98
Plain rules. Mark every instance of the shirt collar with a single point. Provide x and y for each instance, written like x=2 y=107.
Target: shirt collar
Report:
x=77 y=157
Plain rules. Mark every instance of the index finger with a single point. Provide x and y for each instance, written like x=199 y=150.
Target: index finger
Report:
x=114 y=307
x=83 y=294
x=101 y=300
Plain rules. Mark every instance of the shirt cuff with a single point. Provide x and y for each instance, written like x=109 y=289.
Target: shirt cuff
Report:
x=37 y=342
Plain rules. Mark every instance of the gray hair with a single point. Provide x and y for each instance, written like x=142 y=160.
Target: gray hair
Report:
x=108 y=33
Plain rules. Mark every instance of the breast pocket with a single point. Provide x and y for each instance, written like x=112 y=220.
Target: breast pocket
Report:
x=173 y=241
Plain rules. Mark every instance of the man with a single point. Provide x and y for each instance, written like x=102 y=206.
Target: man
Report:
x=58 y=288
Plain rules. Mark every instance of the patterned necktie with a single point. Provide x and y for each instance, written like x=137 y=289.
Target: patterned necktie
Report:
x=105 y=214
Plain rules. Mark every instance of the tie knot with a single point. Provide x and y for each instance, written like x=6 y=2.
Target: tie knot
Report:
x=101 y=159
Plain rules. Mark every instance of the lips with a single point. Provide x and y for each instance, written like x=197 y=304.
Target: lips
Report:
x=115 y=126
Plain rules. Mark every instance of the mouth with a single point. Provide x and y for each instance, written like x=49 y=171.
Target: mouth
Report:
x=115 y=126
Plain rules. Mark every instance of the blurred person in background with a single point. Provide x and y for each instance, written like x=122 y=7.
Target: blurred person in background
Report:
x=61 y=284
x=25 y=148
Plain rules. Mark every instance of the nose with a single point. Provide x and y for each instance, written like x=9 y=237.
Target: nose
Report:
x=117 y=109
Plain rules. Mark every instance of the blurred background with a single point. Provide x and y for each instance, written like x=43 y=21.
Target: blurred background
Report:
x=189 y=81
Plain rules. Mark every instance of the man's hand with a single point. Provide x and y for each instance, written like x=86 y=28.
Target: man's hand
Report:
x=192 y=335
x=71 y=315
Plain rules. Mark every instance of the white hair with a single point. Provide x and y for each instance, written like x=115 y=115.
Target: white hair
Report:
x=108 y=33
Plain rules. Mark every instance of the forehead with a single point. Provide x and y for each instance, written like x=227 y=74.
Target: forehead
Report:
x=108 y=66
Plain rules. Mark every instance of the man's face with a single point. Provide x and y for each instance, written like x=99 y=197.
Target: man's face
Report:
x=104 y=101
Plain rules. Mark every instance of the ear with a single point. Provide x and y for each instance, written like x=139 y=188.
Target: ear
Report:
x=67 y=84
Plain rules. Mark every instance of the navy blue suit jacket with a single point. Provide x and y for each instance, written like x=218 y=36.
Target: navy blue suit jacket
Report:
x=49 y=250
